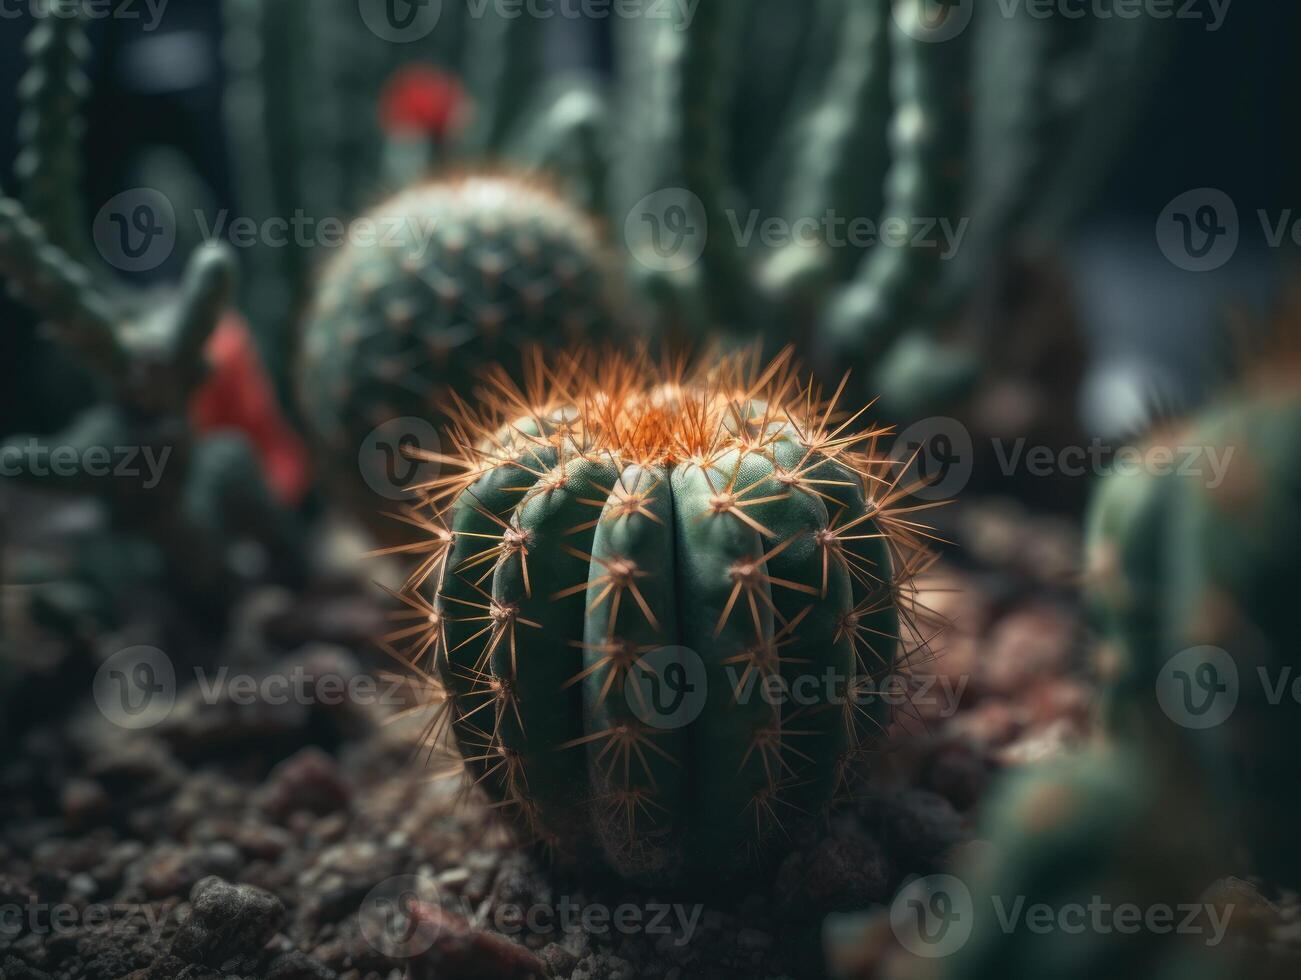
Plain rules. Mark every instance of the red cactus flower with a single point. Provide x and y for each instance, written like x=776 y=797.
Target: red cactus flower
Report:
x=422 y=100
x=237 y=394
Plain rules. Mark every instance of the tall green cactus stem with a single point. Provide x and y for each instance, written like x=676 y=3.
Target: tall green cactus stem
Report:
x=569 y=137
x=50 y=124
x=503 y=68
x=841 y=161
x=458 y=274
x=618 y=536
x=1188 y=564
x=675 y=144
x=892 y=290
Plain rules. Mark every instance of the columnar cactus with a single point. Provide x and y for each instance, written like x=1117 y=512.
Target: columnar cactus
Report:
x=1195 y=571
x=454 y=276
x=1088 y=832
x=660 y=604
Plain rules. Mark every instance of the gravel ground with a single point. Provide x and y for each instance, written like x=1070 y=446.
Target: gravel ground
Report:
x=310 y=837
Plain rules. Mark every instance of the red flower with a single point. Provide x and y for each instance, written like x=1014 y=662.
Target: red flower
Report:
x=237 y=394
x=422 y=100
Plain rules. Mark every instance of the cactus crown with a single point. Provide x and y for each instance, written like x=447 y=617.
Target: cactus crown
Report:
x=717 y=529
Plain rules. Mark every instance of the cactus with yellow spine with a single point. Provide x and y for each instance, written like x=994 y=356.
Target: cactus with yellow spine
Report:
x=660 y=600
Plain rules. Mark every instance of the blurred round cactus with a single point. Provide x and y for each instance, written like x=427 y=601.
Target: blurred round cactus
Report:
x=433 y=286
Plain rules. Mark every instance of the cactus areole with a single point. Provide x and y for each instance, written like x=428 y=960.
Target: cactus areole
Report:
x=659 y=602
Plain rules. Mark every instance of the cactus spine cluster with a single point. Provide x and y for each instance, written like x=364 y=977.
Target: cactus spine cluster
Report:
x=617 y=537
x=454 y=275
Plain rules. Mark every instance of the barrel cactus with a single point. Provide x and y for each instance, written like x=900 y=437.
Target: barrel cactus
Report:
x=434 y=285
x=659 y=603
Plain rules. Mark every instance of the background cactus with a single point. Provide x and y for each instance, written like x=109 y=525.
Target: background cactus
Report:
x=1092 y=832
x=457 y=275
x=906 y=122
x=147 y=353
x=615 y=526
x=1185 y=562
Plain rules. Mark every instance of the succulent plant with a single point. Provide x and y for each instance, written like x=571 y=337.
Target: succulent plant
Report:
x=457 y=275
x=191 y=496
x=1083 y=837
x=876 y=111
x=1194 y=573
x=657 y=600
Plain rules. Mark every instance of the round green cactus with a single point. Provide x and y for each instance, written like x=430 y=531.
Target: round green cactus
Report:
x=432 y=287
x=660 y=605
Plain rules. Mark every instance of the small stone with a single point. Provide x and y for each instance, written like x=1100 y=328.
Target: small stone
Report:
x=452 y=949
x=84 y=803
x=307 y=781
x=1026 y=645
x=227 y=923
x=559 y=961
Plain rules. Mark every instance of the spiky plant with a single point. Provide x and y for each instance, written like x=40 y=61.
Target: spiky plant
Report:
x=1088 y=832
x=1195 y=574
x=458 y=274
x=659 y=600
